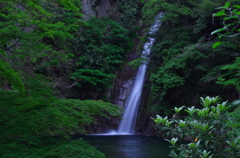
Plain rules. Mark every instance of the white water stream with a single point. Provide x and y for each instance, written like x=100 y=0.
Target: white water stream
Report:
x=126 y=126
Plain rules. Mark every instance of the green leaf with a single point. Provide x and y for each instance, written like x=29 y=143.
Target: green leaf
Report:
x=234 y=35
x=227 y=4
x=177 y=110
x=218 y=30
x=238 y=13
x=215 y=45
x=191 y=110
x=173 y=141
x=220 y=13
x=231 y=17
x=236 y=6
x=221 y=7
x=220 y=36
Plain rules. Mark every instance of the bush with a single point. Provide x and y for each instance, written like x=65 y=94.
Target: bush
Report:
x=207 y=132
x=49 y=147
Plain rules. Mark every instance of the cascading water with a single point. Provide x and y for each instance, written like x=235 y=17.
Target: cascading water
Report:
x=127 y=124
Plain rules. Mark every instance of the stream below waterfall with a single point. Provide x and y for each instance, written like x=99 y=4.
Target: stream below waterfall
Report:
x=129 y=146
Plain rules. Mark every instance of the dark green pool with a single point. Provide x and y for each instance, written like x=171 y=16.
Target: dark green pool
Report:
x=129 y=146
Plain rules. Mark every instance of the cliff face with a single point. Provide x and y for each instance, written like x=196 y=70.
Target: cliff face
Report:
x=95 y=8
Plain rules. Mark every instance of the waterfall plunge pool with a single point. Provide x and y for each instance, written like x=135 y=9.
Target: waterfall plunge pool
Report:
x=129 y=146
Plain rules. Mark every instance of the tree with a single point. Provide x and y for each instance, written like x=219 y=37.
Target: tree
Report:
x=230 y=34
x=35 y=34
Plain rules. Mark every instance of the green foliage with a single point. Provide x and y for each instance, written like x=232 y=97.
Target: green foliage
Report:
x=36 y=113
x=137 y=62
x=73 y=116
x=39 y=113
x=99 y=49
x=49 y=148
x=72 y=150
x=172 y=9
x=34 y=35
x=229 y=34
x=232 y=77
x=231 y=23
x=10 y=78
x=94 y=77
x=207 y=132
x=31 y=22
x=127 y=12
x=183 y=65
x=70 y=5
x=17 y=108
x=36 y=54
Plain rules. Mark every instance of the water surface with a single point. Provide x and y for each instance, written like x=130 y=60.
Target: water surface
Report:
x=129 y=146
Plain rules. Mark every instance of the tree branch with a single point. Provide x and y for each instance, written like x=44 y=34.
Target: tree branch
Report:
x=13 y=45
x=17 y=52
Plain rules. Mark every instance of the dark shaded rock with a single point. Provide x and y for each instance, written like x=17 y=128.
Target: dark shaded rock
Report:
x=144 y=123
x=103 y=125
x=95 y=8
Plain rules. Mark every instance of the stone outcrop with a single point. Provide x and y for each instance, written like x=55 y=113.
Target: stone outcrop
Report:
x=123 y=86
x=95 y=8
x=87 y=9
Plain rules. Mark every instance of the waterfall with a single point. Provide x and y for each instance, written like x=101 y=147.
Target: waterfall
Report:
x=127 y=124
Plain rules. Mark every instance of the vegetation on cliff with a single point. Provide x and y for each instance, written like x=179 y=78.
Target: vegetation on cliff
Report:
x=183 y=64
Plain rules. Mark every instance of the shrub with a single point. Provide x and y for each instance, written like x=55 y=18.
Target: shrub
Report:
x=207 y=132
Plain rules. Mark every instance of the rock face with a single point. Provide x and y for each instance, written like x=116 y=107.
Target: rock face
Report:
x=87 y=8
x=95 y=8
x=144 y=124
x=123 y=86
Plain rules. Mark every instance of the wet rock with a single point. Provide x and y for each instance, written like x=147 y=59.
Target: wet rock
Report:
x=103 y=125
x=124 y=91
